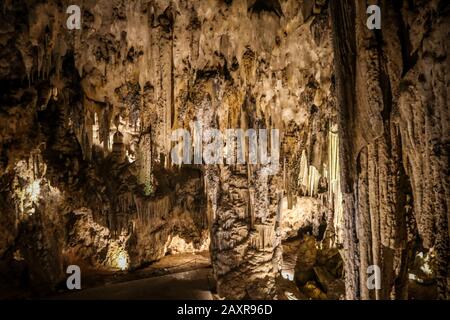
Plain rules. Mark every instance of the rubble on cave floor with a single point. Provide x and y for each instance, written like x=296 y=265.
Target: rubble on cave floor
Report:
x=310 y=270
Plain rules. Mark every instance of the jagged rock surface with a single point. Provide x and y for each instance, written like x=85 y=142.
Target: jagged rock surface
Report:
x=392 y=89
x=87 y=116
x=101 y=103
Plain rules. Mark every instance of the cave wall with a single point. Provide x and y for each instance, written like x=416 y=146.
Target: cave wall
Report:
x=87 y=115
x=67 y=194
x=98 y=106
x=392 y=93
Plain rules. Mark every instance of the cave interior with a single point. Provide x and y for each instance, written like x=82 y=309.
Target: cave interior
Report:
x=121 y=153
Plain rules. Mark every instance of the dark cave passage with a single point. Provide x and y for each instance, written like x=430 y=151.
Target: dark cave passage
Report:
x=269 y=149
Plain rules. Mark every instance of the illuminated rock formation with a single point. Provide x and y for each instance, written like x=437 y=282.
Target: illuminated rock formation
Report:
x=87 y=128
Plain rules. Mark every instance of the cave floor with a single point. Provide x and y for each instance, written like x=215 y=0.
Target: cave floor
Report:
x=180 y=276
x=193 y=284
x=169 y=264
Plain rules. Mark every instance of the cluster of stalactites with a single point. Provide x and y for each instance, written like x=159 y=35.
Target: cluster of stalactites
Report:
x=312 y=181
x=263 y=237
x=29 y=175
x=308 y=177
x=334 y=184
x=150 y=209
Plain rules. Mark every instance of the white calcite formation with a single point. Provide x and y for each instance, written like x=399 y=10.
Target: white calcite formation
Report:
x=392 y=90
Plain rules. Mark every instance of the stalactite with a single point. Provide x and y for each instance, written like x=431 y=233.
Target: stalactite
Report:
x=149 y=67
x=150 y=209
x=125 y=203
x=334 y=183
x=303 y=173
x=263 y=238
x=145 y=163
x=27 y=184
x=363 y=225
x=308 y=177
x=401 y=130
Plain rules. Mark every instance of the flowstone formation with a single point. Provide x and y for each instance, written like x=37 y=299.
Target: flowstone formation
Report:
x=350 y=124
x=392 y=90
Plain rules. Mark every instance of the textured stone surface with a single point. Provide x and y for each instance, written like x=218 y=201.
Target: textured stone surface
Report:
x=392 y=91
x=87 y=116
x=105 y=99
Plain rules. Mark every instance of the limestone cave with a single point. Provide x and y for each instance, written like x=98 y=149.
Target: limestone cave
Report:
x=225 y=149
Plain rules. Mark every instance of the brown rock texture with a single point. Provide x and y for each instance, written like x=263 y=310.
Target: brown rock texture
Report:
x=392 y=92
x=100 y=105
x=89 y=140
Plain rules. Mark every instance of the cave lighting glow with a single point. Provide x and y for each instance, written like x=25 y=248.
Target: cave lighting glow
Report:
x=34 y=190
x=122 y=261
